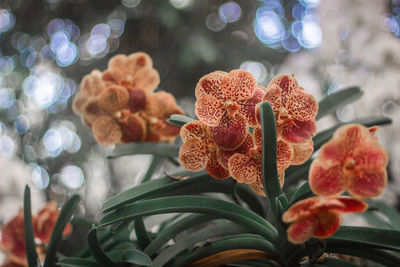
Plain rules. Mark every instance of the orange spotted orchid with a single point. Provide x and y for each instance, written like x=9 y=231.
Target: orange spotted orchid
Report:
x=226 y=102
x=318 y=216
x=352 y=160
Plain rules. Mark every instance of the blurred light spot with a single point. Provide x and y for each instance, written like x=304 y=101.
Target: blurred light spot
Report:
x=72 y=29
x=310 y=3
x=101 y=29
x=58 y=39
x=291 y=44
x=52 y=141
x=241 y=35
x=346 y=113
x=116 y=27
x=7 y=146
x=298 y=11
x=311 y=35
x=130 y=3
x=72 y=176
x=96 y=44
x=392 y=25
x=54 y=26
x=6 y=65
x=256 y=68
x=66 y=54
x=268 y=27
x=181 y=3
x=44 y=89
x=389 y=107
x=6 y=98
x=230 y=12
x=21 y=124
x=40 y=177
x=214 y=22
x=30 y=153
x=7 y=20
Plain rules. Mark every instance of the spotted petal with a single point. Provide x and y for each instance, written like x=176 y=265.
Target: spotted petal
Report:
x=224 y=155
x=302 y=106
x=370 y=155
x=214 y=168
x=248 y=107
x=326 y=180
x=366 y=183
x=284 y=155
x=238 y=85
x=193 y=155
x=302 y=152
x=210 y=84
x=273 y=97
x=230 y=132
x=194 y=129
x=106 y=131
x=301 y=230
x=287 y=83
x=243 y=168
x=326 y=223
x=299 y=131
x=209 y=110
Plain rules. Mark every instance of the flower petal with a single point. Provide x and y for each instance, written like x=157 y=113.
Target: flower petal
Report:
x=334 y=150
x=370 y=155
x=92 y=111
x=352 y=135
x=230 y=132
x=301 y=230
x=79 y=102
x=209 y=110
x=302 y=151
x=273 y=97
x=327 y=223
x=258 y=187
x=210 y=84
x=300 y=209
x=193 y=155
x=351 y=205
x=238 y=85
x=146 y=79
x=113 y=98
x=284 y=155
x=106 y=131
x=257 y=136
x=138 y=100
x=214 y=168
x=299 y=131
x=194 y=129
x=302 y=106
x=248 y=107
x=133 y=129
x=224 y=155
x=367 y=184
x=243 y=168
x=162 y=105
x=326 y=180
x=287 y=83
x=92 y=83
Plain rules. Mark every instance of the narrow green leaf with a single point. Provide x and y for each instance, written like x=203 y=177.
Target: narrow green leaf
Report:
x=155 y=163
x=143 y=238
x=374 y=220
x=31 y=254
x=324 y=136
x=337 y=100
x=241 y=241
x=271 y=184
x=179 y=120
x=304 y=191
x=97 y=251
x=193 y=204
x=136 y=257
x=378 y=238
x=77 y=262
x=56 y=236
x=389 y=212
x=159 y=149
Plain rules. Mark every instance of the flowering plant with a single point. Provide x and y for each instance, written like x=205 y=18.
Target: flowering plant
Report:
x=262 y=198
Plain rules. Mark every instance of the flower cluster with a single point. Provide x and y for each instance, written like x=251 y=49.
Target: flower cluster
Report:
x=227 y=106
x=351 y=161
x=13 y=236
x=120 y=105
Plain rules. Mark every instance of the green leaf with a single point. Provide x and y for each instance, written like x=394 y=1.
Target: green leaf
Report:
x=179 y=120
x=174 y=229
x=136 y=257
x=271 y=184
x=31 y=254
x=389 y=212
x=97 y=251
x=303 y=192
x=155 y=163
x=371 y=237
x=376 y=221
x=324 y=136
x=56 y=236
x=158 y=149
x=193 y=204
x=77 y=262
x=143 y=238
x=331 y=262
x=241 y=241
x=337 y=100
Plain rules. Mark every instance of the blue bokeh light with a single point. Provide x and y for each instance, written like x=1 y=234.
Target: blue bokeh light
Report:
x=230 y=12
x=7 y=20
x=268 y=27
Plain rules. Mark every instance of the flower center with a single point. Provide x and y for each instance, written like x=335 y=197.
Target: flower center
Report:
x=255 y=153
x=349 y=166
x=211 y=147
x=285 y=118
x=231 y=107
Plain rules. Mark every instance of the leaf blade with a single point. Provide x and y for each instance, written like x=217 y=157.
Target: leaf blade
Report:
x=157 y=149
x=31 y=254
x=179 y=120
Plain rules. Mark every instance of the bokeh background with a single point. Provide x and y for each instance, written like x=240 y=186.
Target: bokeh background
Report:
x=46 y=46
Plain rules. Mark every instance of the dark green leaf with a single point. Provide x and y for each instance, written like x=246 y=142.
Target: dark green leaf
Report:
x=155 y=163
x=241 y=241
x=179 y=120
x=389 y=212
x=31 y=254
x=136 y=257
x=193 y=204
x=378 y=238
x=331 y=262
x=271 y=184
x=77 y=262
x=56 y=236
x=159 y=149
x=303 y=192
x=143 y=238
x=337 y=100
x=97 y=251
x=376 y=221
